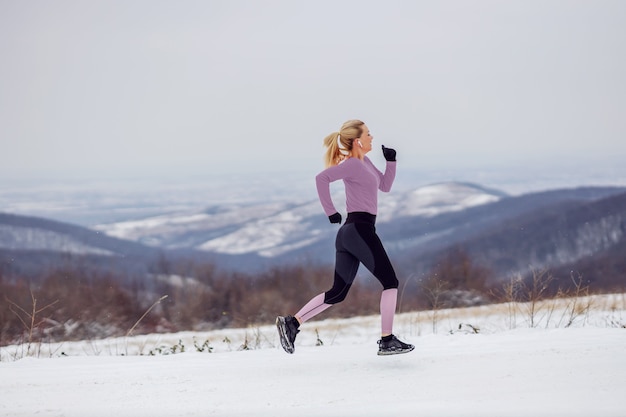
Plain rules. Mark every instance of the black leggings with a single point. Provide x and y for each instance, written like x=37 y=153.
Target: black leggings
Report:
x=357 y=242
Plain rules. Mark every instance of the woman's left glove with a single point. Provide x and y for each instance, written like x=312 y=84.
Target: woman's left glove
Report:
x=389 y=154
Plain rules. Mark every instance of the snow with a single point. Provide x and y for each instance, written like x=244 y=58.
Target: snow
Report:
x=507 y=369
x=432 y=200
x=266 y=235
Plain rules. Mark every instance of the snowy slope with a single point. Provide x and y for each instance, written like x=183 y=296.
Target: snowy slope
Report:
x=31 y=238
x=273 y=228
x=26 y=233
x=507 y=369
x=435 y=199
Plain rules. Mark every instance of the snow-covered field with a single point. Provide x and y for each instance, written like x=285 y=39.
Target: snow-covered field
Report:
x=506 y=369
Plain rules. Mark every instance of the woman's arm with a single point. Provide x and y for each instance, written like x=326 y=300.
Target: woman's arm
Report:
x=322 y=182
x=386 y=179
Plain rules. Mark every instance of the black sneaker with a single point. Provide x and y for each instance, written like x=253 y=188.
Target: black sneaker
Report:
x=287 y=330
x=393 y=346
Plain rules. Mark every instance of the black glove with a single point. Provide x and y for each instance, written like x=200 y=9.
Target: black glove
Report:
x=389 y=154
x=335 y=218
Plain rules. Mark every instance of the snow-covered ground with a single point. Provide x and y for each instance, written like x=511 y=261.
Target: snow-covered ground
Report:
x=506 y=369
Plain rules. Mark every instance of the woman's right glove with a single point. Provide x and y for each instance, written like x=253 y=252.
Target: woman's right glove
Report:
x=335 y=218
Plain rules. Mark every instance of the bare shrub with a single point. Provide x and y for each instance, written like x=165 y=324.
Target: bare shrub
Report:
x=533 y=291
x=509 y=294
x=579 y=301
x=435 y=288
x=31 y=318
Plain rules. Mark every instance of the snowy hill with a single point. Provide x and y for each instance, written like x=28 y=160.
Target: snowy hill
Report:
x=30 y=246
x=34 y=237
x=37 y=234
x=561 y=235
x=274 y=228
x=506 y=369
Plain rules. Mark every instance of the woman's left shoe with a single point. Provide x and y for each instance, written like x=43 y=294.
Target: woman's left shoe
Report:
x=393 y=346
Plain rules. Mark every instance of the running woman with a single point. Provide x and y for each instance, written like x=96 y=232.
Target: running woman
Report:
x=357 y=242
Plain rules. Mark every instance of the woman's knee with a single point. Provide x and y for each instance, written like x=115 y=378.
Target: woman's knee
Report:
x=389 y=284
x=388 y=279
x=336 y=295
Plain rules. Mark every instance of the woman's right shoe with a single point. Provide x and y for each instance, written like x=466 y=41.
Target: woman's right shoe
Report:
x=287 y=331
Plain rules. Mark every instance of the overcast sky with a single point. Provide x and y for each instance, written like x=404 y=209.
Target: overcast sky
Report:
x=108 y=89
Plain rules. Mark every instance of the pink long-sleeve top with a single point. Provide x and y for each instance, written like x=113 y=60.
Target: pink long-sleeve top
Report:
x=362 y=181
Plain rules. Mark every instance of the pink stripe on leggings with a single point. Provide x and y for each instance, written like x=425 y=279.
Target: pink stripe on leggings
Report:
x=312 y=308
x=388 y=309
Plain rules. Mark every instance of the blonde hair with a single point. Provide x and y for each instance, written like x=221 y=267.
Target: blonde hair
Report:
x=339 y=144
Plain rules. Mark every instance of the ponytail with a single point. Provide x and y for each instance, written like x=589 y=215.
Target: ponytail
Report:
x=333 y=155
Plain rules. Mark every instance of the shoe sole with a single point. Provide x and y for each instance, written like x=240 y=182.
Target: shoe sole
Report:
x=282 y=333
x=395 y=352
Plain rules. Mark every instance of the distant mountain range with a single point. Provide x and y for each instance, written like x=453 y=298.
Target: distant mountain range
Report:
x=560 y=230
x=563 y=228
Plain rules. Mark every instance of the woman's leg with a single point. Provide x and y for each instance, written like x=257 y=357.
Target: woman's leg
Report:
x=370 y=251
x=346 y=266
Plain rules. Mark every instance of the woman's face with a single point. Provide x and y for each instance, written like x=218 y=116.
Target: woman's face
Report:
x=365 y=141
